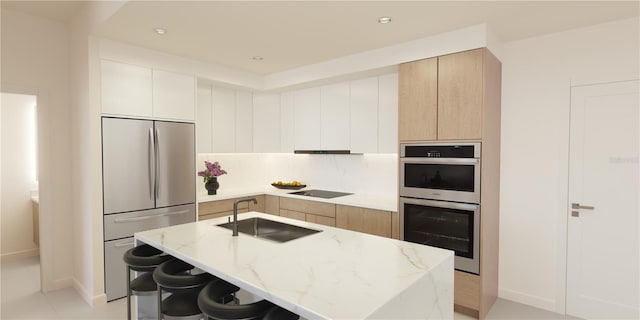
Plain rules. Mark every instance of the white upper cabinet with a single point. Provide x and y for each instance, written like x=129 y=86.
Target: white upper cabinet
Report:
x=205 y=117
x=307 y=119
x=364 y=115
x=223 y=101
x=126 y=89
x=244 y=121
x=130 y=90
x=174 y=96
x=287 y=118
x=334 y=117
x=388 y=113
x=266 y=122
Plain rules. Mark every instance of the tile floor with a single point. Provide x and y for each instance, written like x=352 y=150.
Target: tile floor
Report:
x=21 y=299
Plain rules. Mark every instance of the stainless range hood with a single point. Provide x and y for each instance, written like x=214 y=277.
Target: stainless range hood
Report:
x=323 y=152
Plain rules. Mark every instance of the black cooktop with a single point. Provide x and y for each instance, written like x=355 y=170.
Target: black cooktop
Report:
x=321 y=193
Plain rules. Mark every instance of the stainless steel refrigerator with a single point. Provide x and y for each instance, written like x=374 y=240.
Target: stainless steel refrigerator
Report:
x=148 y=174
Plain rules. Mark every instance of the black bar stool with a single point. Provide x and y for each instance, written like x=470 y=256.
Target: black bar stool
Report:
x=175 y=276
x=144 y=259
x=213 y=292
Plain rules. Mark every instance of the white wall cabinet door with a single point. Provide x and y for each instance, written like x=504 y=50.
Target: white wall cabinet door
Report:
x=173 y=96
x=364 y=115
x=388 y=113
x=244 y=121
x=334 y=117
x=266 y=122
x=204 y=126
x=287 y=118
x=126 y=89
x=223 y=102
x=307 y=119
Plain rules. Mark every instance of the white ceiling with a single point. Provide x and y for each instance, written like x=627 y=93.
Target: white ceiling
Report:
x=290 y=34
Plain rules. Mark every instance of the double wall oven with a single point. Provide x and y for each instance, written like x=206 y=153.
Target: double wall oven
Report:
x=440 y=199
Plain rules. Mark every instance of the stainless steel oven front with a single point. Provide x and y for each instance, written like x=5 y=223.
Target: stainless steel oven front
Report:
x=440 y=171
x=443 y=224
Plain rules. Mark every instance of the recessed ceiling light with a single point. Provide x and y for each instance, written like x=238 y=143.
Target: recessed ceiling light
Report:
x=384 y=20
x=160 y=31
x=257 y=58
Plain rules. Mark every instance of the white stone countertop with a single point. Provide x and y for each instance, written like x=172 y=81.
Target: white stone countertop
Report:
x=333 y=274
x=357 y=200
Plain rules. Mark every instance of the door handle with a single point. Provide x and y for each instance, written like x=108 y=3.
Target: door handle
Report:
x=578 y=206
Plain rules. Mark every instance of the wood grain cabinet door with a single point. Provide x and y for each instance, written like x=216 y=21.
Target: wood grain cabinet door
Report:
x=460 y=95
x=365 y=220
x=418 y=100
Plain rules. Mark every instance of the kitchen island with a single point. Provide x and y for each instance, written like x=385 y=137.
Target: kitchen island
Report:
x=333 y=274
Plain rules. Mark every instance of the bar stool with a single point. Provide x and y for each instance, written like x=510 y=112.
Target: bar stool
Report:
x=209 y=305
x=175 y=276
x=144 y=259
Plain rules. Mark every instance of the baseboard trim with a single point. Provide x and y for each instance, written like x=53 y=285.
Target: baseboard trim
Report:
x=89 y=298
x=528 y=299
x=13 y=256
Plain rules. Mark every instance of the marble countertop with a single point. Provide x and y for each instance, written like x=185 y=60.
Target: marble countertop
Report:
x=333 y=274
x=357 y=200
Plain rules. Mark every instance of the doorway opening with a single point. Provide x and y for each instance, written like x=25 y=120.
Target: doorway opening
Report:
x=19 y=190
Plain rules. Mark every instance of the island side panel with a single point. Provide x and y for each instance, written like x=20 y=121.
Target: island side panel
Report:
x=431 y=297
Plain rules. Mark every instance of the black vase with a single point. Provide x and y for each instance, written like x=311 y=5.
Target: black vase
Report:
x=212 y=185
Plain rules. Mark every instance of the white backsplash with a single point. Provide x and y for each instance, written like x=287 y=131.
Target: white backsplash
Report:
x=371 y=174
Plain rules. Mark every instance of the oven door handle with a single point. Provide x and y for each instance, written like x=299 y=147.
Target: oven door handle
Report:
x=441 y=160
x=441 y=204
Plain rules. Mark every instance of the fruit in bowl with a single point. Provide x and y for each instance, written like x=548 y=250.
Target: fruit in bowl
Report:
x=295 y=184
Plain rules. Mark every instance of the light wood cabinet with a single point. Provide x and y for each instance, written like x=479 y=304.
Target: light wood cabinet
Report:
x=306 y=210
x=418 y=100
x=272 y=204
x=222 y=208
x=35 y=210
x=460 y=95
x=466 y=88
x=364 y=220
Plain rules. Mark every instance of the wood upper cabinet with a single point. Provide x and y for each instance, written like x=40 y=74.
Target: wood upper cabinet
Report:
x=418 y=100
x=460 y=95
x=444 y=98
x=365 y=220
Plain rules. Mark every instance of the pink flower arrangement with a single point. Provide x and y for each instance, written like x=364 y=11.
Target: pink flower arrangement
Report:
x=213 y=170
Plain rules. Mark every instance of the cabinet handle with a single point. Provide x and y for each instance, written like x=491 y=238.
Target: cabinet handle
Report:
x=578 y=206
x=123 y=244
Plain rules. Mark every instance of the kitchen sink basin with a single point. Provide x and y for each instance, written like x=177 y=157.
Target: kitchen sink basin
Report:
x=269 y=229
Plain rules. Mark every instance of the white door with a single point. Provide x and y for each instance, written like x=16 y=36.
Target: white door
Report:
x=603 y=250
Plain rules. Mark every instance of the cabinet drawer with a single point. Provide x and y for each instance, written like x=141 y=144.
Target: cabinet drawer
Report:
x=365 y=220
x=272 y=205
x=293 y=214
x=467 y=290
x=219 y=206
x=313 y=207
x=219 y=214
x=321 y=220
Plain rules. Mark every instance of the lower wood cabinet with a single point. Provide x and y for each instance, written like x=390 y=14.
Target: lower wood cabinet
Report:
x=365 y=220
x=311 y=211
x=376 y=222
x=466 y=293
x=222 y=208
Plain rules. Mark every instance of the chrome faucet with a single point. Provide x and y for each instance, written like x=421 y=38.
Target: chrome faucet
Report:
x=235 y=213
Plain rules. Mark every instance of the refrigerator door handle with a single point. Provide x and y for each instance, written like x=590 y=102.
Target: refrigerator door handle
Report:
x=157 y=164
x=151 y=161
x=152 y=216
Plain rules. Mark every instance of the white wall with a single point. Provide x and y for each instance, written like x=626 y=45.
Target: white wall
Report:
x=371 y=174
x=18 y=174
x=537 y=74
x=35 y=55
x=87 y=246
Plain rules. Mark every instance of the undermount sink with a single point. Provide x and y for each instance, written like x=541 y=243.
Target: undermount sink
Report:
x=269 y=229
